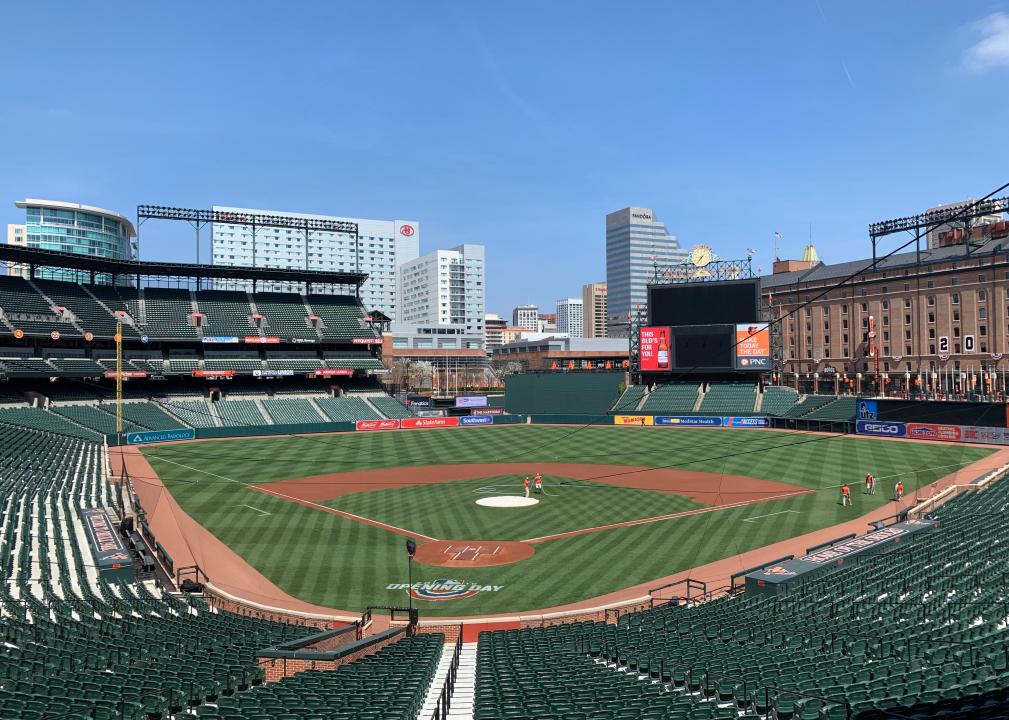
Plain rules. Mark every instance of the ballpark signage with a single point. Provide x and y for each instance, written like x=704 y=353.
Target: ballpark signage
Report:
x=126 y=374
x=429 y=422
x=110 y=553
x=880 y=428
x=632 y=420
x=930 y=431
x=488 y=411
x=220 y=340
x=366 y=341
x=753 y=346
x=377 y=425
x=476 y=420
x=158 y=436
x=256 y=340
x=272 y=373
x=443 y=589
x=992 y=435
x=746 y=422
x=688 y=420
x=471 y=401
x=653 y=349
x=331 y=372
x=214 y=373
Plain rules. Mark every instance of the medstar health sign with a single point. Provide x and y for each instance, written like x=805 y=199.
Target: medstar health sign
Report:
x=443 y=589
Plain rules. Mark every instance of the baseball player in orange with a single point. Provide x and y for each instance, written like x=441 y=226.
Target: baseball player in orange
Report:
x=525 y=485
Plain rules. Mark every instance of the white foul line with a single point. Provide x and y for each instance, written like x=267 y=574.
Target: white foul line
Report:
x=261 y=512
x=780 y=512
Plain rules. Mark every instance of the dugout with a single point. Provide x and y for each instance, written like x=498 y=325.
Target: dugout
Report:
x=553 y=393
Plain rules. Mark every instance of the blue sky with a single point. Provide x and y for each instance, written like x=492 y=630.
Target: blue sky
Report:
x=517 y=125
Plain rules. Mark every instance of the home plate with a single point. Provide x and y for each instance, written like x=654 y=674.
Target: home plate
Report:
x=506 y=501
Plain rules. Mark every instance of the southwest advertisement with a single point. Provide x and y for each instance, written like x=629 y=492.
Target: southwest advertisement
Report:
x=654 y=349
x=753 y=346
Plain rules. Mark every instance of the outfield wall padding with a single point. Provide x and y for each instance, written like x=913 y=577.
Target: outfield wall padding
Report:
x=574 y=393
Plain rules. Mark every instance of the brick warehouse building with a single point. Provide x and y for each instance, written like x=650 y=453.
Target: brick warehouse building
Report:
x=936 y=312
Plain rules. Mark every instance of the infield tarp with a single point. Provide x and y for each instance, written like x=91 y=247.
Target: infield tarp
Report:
x=109 y=550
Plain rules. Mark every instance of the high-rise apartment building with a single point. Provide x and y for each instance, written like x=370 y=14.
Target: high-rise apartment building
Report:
x=569 y=317
x=526 y=316
x=442 y=293
x=379 y=248
x=636 y=241
x=494 y=325
x=594 y=310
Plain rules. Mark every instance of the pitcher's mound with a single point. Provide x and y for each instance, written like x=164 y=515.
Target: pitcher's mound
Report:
x=506 y=501
x=472 y=553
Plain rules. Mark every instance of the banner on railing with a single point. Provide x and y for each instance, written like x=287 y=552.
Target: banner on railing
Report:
x=632 y=420
x=160 y=436
x=377 y=425
x=688 y=420
x=880 y=428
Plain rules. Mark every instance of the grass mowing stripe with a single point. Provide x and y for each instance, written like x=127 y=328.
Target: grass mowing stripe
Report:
x=358 y=561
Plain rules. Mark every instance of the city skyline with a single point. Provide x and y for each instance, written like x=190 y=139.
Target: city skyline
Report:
x=824 y=121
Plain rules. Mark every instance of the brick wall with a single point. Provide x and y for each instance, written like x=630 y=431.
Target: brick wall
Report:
x=279 y=668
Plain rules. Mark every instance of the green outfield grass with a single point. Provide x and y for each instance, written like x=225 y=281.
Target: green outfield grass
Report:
x=340 y=563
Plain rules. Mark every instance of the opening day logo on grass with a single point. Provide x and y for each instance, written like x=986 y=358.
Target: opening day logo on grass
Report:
x=443 y=589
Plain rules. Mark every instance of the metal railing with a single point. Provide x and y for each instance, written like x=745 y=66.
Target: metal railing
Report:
x=444 y=704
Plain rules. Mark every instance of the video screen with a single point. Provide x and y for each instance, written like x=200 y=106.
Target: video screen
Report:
x=704 y=303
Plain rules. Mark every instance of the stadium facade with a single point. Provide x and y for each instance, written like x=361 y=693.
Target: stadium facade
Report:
x=379 y=249
x=636 y=241
x=943 y=309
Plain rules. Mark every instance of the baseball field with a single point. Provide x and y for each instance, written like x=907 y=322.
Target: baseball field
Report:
x=326 y=517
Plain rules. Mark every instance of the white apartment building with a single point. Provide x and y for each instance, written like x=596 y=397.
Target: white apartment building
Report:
x=379 y=249
x=570 y=317
x=526 y=316
x=443 y=294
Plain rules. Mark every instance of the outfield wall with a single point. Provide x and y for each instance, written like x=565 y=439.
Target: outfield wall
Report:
x=578 y=393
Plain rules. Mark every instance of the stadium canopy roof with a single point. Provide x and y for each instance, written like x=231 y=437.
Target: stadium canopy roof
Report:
x=87 y=263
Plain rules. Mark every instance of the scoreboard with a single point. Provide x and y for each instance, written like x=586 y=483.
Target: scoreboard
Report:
x=705 y=327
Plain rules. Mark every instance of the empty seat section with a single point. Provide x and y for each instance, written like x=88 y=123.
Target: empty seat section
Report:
x=628 y=401
x=285 y=315
x=94 y=417
x=91 y=316
x=808 y=404
x=842 y=409
x=26 y=310
x=292 y=410
x=729 y=399
x=390 y=406
x=353 y=360
x=77 y=366
x=235 y=413
x=195 y=413
x=226 y=313
x=167 y=313
x=341 y=316
x=671 y=399
x=346 y=409
x=778 y=400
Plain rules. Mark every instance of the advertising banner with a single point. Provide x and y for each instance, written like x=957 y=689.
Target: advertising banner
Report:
x=476 y=420
x=471 y=401
x=110 y=552
x=488 y=411
x=256 y=340
x=272 y=373
x=430 y=413
x=220 y=339
x=991 y=435
x=931 y=431
x=750 y=422
x=632 y=420
x=331 y=372
x=366 y=341
x=302 y=341
x=377 y=425
x=688 y=420
x=880 y=428
x=126 y=374
x=654 y=349
x=158 y=436
x=868 y=410
x=419 y=401
x=753 y=346
x=213 y=373
x=429 y=422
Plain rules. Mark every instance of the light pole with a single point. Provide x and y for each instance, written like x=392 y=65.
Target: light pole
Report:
x=411 y=550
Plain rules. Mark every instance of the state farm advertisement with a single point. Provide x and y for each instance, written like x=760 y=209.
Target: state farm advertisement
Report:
x=377 y=425
x=429 y=422
x=654 y=349
x=929 y=431
x=753 y=346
